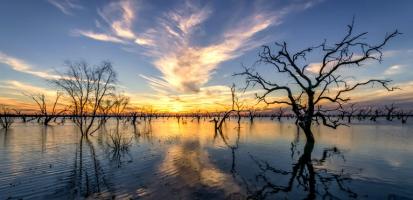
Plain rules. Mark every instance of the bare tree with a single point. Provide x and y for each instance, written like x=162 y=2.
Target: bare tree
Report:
x=120 y=102
x=6 y=117
x=104 y=109
x=403 y=115
x=87 y=87
x=237 y=105
x=41 y=102
x=252 y=113
x=389 y=111
x=350 y=112
x=325 y=86
x=219 y=120
x=280 y=113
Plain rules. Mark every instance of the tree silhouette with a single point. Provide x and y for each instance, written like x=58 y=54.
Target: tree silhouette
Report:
x=324 y=86
x=6 y=117
x=87 y=87
x=47 y=114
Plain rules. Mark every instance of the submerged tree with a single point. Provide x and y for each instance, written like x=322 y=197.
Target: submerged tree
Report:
x=47 y=113
x=326 y=85
x=120 y=103
x=87 y=87
x=236 y=107
x=6 y=117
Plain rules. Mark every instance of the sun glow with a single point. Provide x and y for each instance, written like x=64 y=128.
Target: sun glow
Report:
x=176 y=108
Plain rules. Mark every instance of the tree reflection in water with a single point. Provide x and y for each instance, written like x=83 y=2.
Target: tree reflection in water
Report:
x=233 y=147
x=307 y=174
x=119 y=144
x=88 y=177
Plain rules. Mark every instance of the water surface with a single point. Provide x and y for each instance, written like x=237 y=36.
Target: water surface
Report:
x=186 y=159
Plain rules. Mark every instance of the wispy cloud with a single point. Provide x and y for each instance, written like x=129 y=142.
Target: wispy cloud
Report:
x=21 y=66
x=98 y=36
x=394 y=69
x=25 y=88
x=120 y=15
x=186 y=66
x=144 y=41
x=118 y=18
x=66 y=6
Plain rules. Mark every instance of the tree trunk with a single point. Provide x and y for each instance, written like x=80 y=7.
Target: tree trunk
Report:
x=308 y=134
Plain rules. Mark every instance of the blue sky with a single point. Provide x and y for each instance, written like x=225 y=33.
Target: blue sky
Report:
x=174 y=52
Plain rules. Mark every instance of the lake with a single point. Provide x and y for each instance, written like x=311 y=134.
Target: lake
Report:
x=187 y=159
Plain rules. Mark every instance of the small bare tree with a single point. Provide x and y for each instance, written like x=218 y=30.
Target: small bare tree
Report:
x=219 y=120
x=237 y=105
x=120 y=102
x=6 y=117
x=324 y=86
x=252 y=112
x=41 y=102
x=350 y=112
x=389 y=111
x=87 y=87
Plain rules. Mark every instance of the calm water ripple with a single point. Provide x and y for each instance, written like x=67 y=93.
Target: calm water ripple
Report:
x=165 y=159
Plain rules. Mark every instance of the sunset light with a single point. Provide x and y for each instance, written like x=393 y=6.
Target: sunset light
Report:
x=197 y=99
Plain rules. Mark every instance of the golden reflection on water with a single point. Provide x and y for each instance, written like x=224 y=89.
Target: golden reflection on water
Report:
x=177 y=157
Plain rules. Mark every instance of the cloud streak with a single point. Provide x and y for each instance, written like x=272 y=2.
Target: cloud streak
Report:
x=171 y=41
x=186 y=67
x=119 y=16
x=98 y=36
x=21 y=66
x=66 y=6
x=394 y=69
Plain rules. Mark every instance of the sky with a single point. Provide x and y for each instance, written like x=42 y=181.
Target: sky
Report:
x=180 y=55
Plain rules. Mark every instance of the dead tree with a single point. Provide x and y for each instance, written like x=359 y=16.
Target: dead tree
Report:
x=404 y=115
x=41 y=102
x=148 y=112
x=280 y=113
x=350 y=112
x=104 y=110
x=375 y=115
x=218 y=120
x=134 y=117
x=389 y=112
x=120 y=102
x=6 y=117
x=87 y=87
x=21 y=115
x=237 y=105
x=251 y=114
x=321 y=85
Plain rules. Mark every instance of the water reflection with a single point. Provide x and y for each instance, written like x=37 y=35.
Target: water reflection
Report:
x=304 y=176
x=88 y=177
x=119 y=144
x=188 y=159
x=233 y=147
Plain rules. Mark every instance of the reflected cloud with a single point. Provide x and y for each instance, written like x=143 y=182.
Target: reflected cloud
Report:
x=189 y=165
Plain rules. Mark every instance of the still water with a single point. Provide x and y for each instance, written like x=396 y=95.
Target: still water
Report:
x=186 y=159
